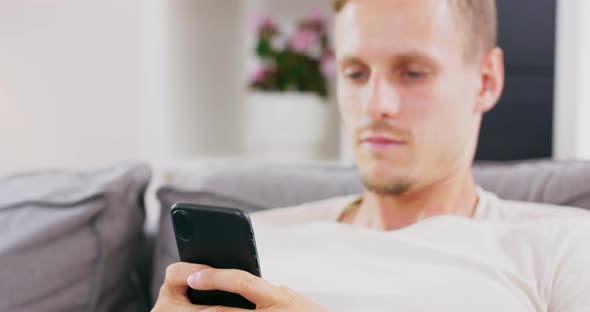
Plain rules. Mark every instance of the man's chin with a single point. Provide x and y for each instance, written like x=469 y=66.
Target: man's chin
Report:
x=384 y=176
x=382 y=181
x=387 y=188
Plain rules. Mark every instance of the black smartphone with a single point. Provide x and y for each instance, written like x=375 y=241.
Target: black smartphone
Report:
x=218 y=237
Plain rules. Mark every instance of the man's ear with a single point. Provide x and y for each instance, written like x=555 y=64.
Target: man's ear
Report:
x=492 y=80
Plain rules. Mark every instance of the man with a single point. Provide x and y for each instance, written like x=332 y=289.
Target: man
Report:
x=414 y=79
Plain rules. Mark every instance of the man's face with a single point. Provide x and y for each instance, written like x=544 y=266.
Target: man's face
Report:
x=406 y=94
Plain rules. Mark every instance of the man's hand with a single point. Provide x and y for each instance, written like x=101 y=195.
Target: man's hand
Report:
x=266 y=297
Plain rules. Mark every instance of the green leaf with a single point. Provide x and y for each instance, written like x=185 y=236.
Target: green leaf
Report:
x=264 y=49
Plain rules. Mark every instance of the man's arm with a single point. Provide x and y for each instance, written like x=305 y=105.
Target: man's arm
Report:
x=267 y=297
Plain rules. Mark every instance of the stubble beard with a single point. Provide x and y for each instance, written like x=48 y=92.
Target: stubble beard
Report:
x=392 y=187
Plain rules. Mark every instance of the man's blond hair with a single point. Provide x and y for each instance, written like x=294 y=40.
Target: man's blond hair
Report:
x=476 y=19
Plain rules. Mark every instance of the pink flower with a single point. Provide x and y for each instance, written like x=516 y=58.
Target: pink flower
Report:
x=303 y=41
x=264 y=25
x=317 y=16
x=260 y=75
x=259 y=20
x=328 y=65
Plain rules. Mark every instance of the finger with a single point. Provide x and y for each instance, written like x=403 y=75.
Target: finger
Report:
x=178 y=273
x=176 y=307
x=253 y=288
x=202 y=308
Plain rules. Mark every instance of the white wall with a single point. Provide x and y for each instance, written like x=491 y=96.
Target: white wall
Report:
x=68 y=74
x=193 y=75
x=572 y=94
x=85 y=83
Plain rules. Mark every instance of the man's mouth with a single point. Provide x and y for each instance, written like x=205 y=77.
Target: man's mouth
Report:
x=380 y=142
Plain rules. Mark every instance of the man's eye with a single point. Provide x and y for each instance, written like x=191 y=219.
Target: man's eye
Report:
x=414 y=74
x=356 y=75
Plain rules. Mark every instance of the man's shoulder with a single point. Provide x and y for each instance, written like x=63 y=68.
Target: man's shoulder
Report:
x=497 y=209
x=321 y=210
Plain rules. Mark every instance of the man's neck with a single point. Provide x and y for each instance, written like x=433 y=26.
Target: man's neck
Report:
x=455 y=195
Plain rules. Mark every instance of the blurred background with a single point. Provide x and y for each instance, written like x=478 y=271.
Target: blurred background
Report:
x=88 y=83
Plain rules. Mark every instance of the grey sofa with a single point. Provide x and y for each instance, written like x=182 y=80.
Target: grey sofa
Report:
x=129 y=268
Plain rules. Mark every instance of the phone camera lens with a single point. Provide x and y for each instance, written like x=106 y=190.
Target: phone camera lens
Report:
x=182 y=225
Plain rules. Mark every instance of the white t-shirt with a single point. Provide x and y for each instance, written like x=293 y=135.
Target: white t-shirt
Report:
x=511 y=256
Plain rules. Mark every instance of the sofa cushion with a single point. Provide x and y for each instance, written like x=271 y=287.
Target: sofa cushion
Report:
x=255 y=186
x=70 y=240
x=565 y=183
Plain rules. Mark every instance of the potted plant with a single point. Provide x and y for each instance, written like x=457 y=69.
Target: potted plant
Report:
x=287 y=109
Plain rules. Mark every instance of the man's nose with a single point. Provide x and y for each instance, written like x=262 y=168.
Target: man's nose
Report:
x=382 y=99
